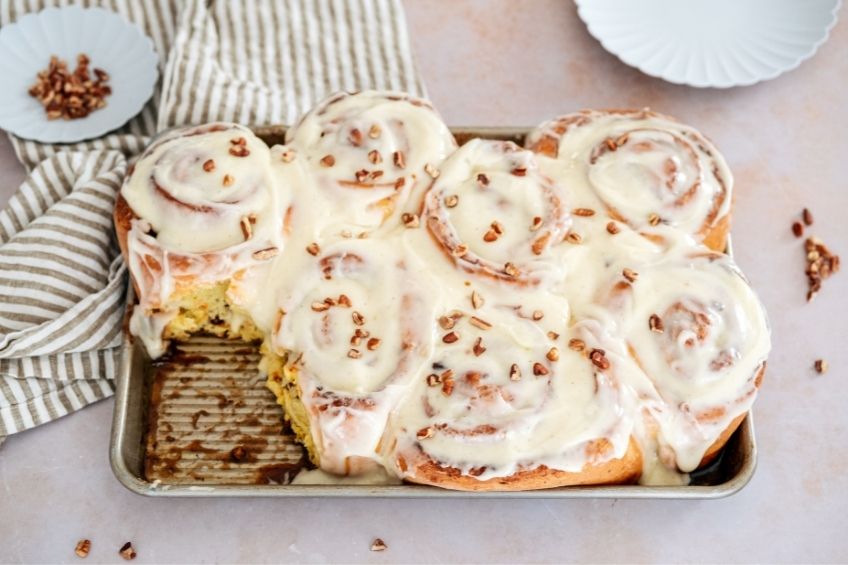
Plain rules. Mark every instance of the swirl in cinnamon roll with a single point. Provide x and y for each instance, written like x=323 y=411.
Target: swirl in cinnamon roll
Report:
x=507 y=405
x=350 y=326
x=372 y=154
x=699 y=333
x=200 y=208
x=645 y=168
x=494 y=213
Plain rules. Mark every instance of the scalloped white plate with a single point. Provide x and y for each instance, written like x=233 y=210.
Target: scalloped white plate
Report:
x=111 y=43
x=711 y=43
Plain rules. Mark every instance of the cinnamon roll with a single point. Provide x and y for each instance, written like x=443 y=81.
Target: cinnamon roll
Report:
x=494 y=213
x=506 y=404
x=372 y=155
x=644 y=169
x=700 y=335
x=199 y=213
x=350 y=330
x=481 y=318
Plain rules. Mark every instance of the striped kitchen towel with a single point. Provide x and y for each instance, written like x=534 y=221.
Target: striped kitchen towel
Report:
x=62 y=280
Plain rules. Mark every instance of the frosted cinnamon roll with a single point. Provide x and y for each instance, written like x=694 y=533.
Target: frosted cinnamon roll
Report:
x=700 y=335
x=198 y=213
x=351 y=331
x=508 y=405
x=645 y=169
x=373 y=154
x=494 y=214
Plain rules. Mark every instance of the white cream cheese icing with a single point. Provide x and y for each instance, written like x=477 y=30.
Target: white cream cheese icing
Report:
x=508 y=298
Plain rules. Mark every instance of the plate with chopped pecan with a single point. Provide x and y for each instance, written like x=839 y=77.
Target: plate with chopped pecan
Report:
x=73 y=74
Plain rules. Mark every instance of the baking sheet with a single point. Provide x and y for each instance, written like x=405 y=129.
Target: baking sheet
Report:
x=200 y=422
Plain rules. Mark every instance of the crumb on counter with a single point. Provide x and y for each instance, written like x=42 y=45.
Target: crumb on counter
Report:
x=82 y=548
x=821 y=264
x=378 y=545
x=127 y=551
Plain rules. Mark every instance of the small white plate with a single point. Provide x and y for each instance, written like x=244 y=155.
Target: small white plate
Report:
x=710 y=43
x=111 y=43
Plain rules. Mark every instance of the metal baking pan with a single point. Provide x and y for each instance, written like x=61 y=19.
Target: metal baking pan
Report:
x=201 y=423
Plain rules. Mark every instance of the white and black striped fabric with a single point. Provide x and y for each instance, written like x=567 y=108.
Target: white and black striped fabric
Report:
x=62 y=280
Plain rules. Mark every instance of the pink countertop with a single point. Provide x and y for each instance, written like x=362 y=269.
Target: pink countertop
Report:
x=502 y=62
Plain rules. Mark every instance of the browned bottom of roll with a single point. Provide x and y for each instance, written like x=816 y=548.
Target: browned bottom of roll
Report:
x=625 y=470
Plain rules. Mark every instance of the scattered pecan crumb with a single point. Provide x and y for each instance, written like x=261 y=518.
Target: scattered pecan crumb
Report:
x=320 y=306
x=482 y=179
x=239 y=150
x=423 y=433
x=127 y=551
x=374 y=157
x=373 y=343
x=378 y=545
x=478 y=348
x=357 y=318
x=447 y=384
x=514 y=372
x=328 y=160
x=313 y=249
x=451 y=337
x=576 y=344
x=70 y=95
x=228 y=180
x=599 y=359
x=451 y=200
x=374 y=131
x=797 y=229
x=573 y=237
x=655 y=324
x=511 y=270
x=246 y=227
x=209 y=165
x=537 y=223
x=398 y=159
x=654 y=219
x=584 y=212
x=821 y=264
x=476 y=300
x=807 y=216
x=267 y=253
x=821 y=366
x=540 y=370
x=288 y=156
x=354 y=353
x=613 y=228
x=479 y=323
x=431 y=170
x=82 y=548
x=630 y=275
x=410 y=220
x=552 y=354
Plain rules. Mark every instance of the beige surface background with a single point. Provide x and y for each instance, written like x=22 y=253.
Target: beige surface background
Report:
x=504 y=62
